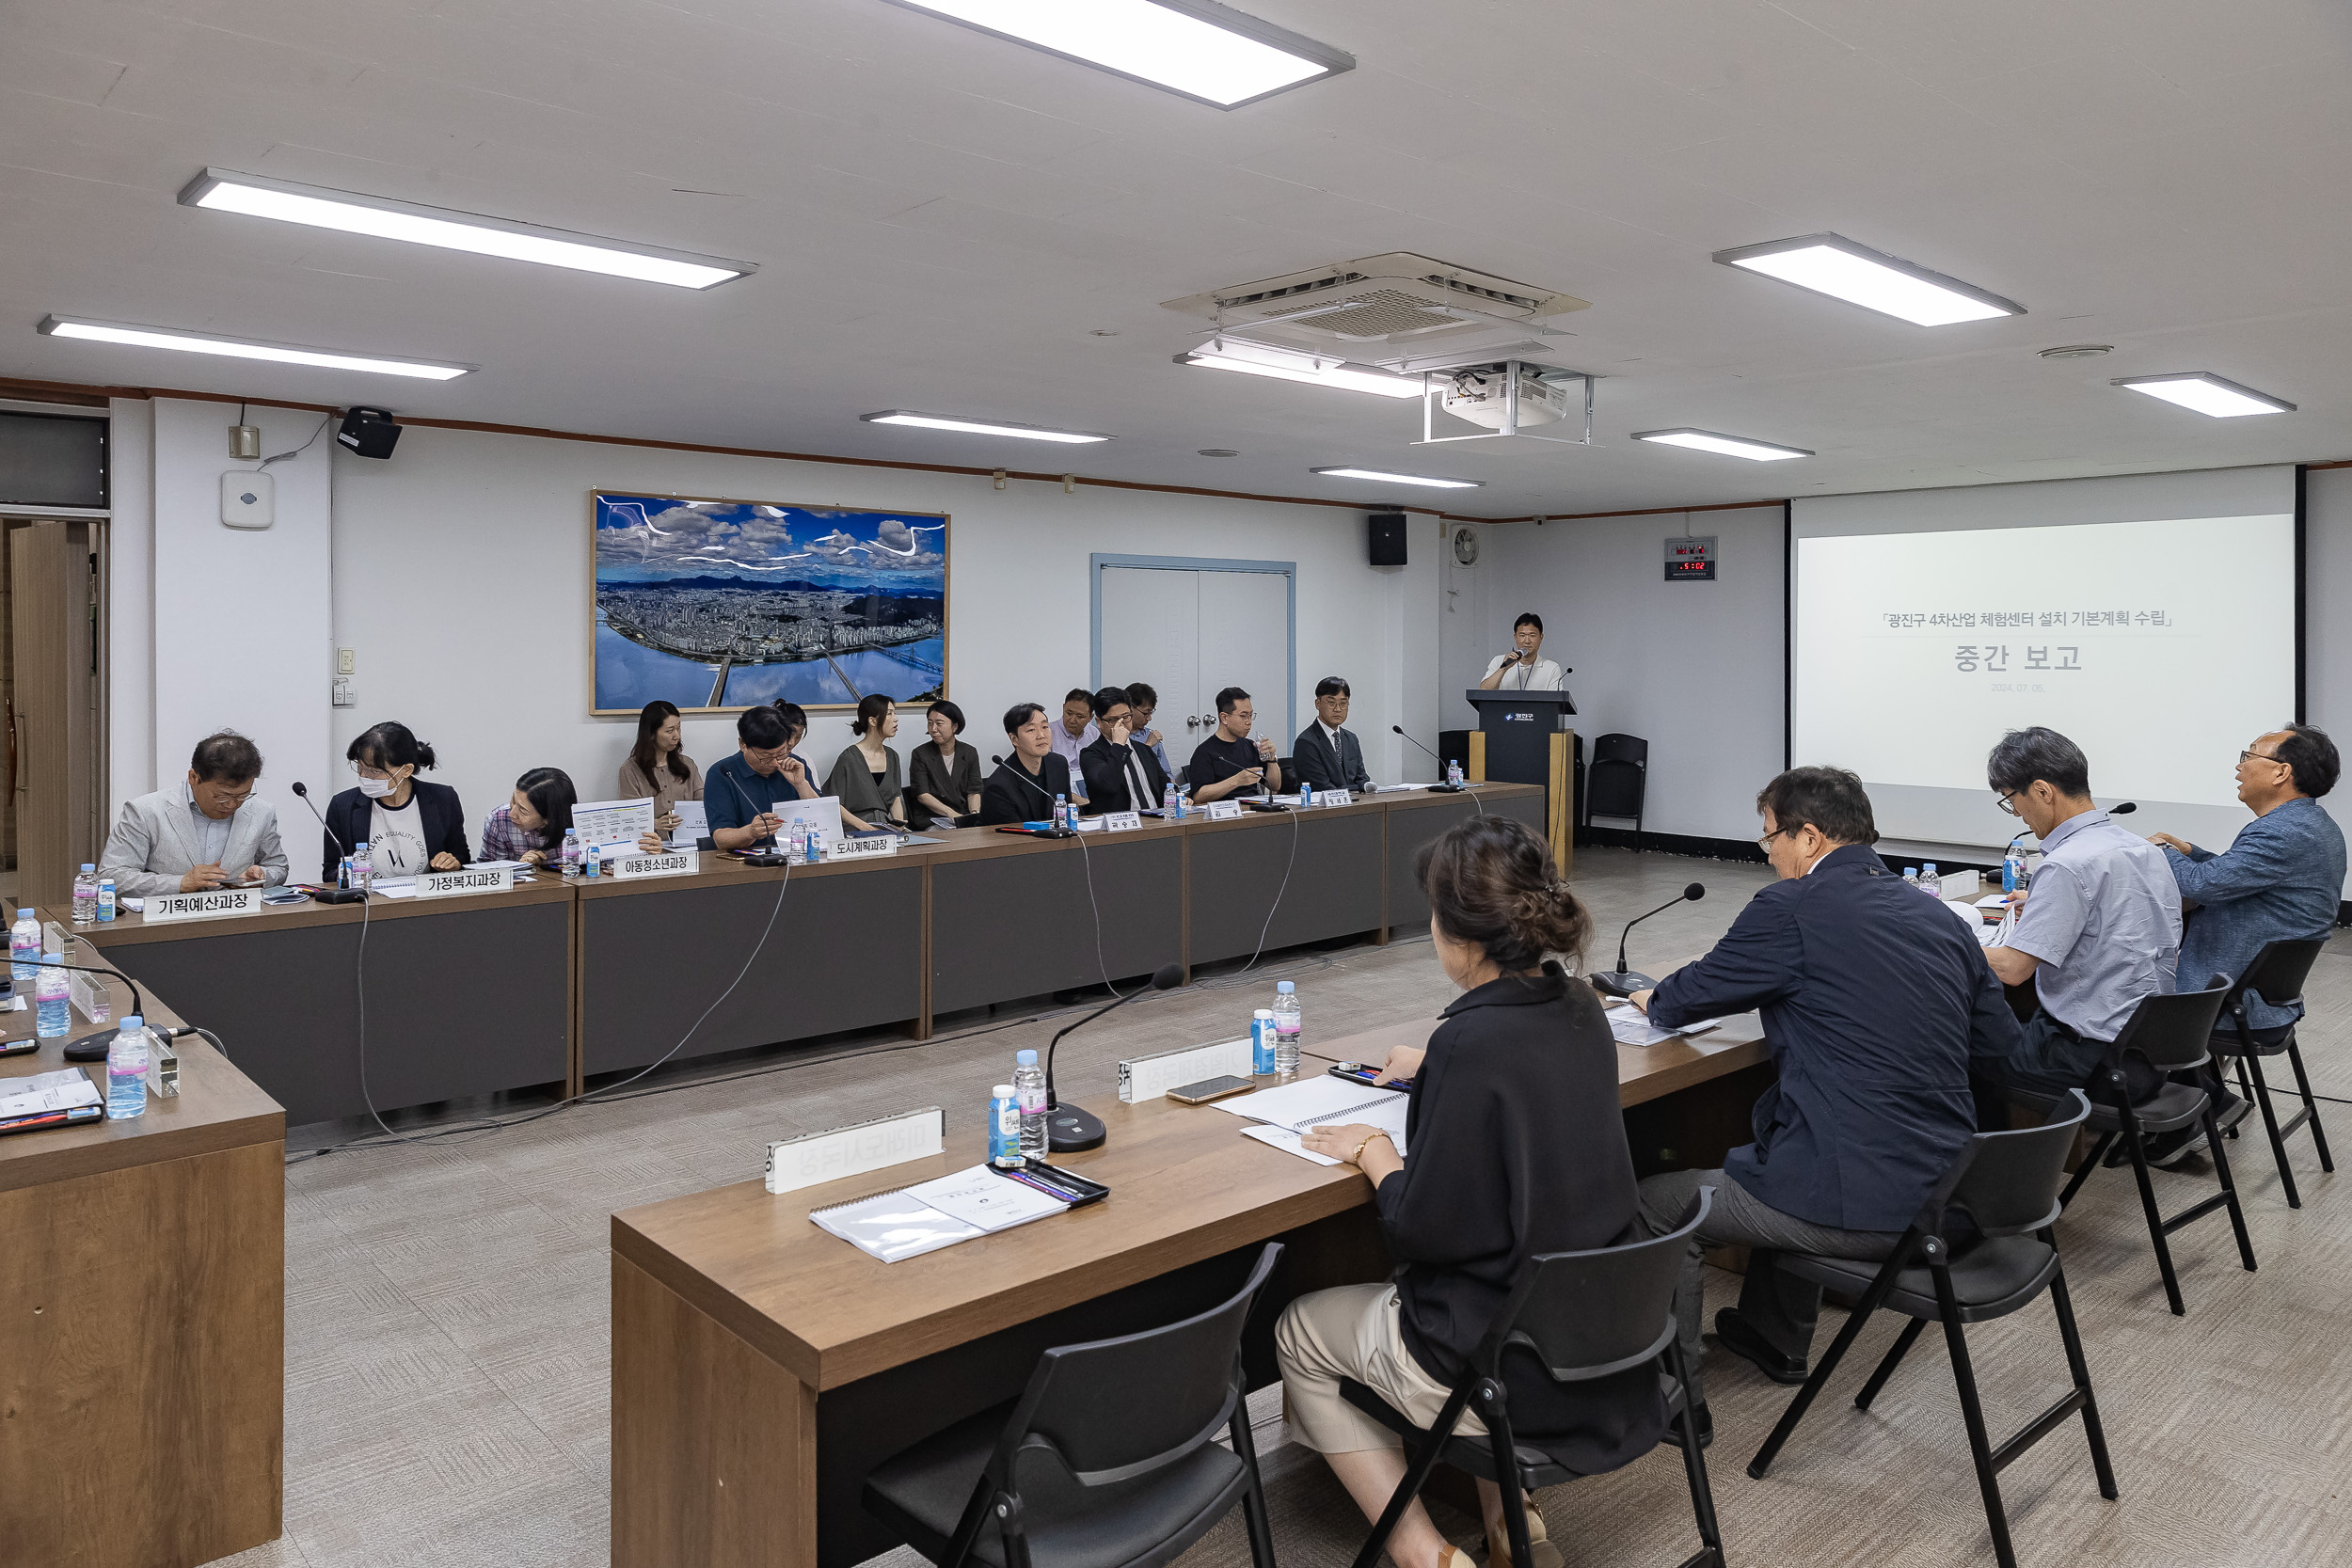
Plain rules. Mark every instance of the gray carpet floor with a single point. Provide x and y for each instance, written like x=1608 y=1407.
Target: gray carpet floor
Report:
x=446 y=1314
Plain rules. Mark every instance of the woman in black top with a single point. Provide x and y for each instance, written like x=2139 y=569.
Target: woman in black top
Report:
x=1517 y=1148
x=943 y=773
x=408 y=824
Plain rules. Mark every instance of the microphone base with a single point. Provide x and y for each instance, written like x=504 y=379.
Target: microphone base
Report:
x=1448 y=789
x=90 y=1048
x=1072 y=1131
x=1622 y=982
x=336 y=895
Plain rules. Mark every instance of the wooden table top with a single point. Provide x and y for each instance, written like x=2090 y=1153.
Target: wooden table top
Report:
x=1185 y=1186
x=217 y=1107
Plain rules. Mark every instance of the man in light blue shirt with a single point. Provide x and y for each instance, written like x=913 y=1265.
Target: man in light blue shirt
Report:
x=2101 y=930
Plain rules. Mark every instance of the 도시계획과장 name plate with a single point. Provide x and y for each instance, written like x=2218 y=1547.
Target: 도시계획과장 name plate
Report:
x=855 y=849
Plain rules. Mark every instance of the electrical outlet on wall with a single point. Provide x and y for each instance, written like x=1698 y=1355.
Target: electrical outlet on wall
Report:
x=346 y=661
x=344 y=696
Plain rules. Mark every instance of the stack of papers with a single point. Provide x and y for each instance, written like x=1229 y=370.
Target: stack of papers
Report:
x=936 y=1213
x=1633 y=1027
x=48 y=1099
x=1284 y=1115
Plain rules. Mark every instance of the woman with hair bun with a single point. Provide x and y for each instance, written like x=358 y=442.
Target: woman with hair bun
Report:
x=408 y=824
x=866 y=776
x=1517 y=1148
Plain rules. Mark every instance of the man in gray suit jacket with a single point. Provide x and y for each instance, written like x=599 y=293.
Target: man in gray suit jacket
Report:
x=1327 y=755
x=186 y=839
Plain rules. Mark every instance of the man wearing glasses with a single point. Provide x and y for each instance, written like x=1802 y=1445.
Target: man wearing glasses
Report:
x=208 y=832
x=2278 y=881
x=738 y=791
x=2101 y=930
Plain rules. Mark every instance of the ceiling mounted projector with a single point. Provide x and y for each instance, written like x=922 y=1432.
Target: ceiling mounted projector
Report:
x=1387 y=310
x=1481 y=394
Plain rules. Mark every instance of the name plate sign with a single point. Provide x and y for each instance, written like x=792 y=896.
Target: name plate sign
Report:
x=819 y=1157
x=858 y=848
x=162 y=907
x=465 y=879
x=1335 y=796
x=1224 y=810
x=673 y=862
x=1121 y=821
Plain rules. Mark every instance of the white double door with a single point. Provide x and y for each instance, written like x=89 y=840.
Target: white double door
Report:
x=1190 y=632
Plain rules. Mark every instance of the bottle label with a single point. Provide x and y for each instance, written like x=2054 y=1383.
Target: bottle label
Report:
x=1262 y=1045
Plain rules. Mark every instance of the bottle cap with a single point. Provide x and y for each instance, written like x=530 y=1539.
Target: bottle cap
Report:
x=133 y=1021
x=1263 y=1012
x=53 y=957
x=1284 y=987
x=87 y=866
x=25 y=914
x=1002 y=1091
x=1025 y=1058
x=105 y=882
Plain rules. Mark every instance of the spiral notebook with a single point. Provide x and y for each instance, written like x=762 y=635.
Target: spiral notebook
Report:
x=1286 y=1113
x=909 y=1221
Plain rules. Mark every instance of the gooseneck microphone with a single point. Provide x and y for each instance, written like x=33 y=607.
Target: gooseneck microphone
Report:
x=2124 y=809
x=1621 y=981
x=1067 y=1128
x=329 y=895
x=1440 y=787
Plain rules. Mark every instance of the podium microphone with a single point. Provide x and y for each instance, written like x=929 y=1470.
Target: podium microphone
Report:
x=1621 y=981
x=1069 y=1129
x=329 y=895
x=1440 y=787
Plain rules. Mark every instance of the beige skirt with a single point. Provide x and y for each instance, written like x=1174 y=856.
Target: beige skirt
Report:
x=1353 y=1332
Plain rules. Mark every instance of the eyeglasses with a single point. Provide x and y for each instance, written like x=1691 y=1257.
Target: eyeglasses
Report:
x=2258 y=756
x=759 y=756
x=368 y=770
x=2008 y=803
x=1764 y=841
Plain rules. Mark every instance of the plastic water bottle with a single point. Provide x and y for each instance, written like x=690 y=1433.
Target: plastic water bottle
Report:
x=1454 y=771
x=105 y=900
x=1028 y=1086
x=1171 y=807
x=1305 y=795
x=1911 y=876
x=53 y=1000
x=1184 y=799
x=1004 y=1126
x=1930 y=883
x=24 y=950
x=590 y=863
x=2013 y=868
x=1061 y=811
x=362 y=866
x=1261 y=1043
x=86 y=896
x=126 y=1070
x=569 y=854
x=1286 y=1031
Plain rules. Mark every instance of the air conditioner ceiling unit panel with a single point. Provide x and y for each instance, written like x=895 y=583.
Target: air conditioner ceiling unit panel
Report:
x=1397 y=298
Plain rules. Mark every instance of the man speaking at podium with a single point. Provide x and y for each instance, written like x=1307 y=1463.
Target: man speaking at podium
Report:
x=1524 y=668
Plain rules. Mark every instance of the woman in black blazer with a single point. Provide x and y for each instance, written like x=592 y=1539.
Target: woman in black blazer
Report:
x=1516 y=1149
x=408 y=824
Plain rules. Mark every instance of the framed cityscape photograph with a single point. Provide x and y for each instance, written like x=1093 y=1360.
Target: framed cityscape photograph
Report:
x=720 y=605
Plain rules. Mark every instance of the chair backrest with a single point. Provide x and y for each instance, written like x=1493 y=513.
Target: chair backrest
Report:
x=1115 y=1410
x=2007 y=1183
x=1622 y=748
x=1613 y=787
x=2278 y=973
x=2174 y=1031
x=1589 y=1314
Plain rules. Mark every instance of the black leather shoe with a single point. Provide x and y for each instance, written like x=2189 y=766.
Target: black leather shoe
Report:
x=1753 y=1348
x=1703 y=1425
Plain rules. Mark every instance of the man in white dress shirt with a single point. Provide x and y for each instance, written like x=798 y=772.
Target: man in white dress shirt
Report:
x=1524 y=668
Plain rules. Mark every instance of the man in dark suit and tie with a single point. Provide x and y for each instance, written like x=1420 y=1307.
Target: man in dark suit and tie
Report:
x=1327 y=756
x=1121 y=773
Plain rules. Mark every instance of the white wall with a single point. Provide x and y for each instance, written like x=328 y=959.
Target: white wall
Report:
x=461 y=581
x=131 y=599
x=1693 y=667
x=2327 y=637
x=241 y=617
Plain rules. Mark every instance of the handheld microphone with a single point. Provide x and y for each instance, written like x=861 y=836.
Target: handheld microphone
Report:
x=329 y=895
x=1621 y=981
x=1440 y=787
x=1069 y=1129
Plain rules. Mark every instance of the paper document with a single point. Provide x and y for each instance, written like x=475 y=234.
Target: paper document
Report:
x=1632 y=1028
x=613 y=821
x=45 y=1092
x=1317 y=1102
x=936 y=1213
x=979 y=1196
x=1388 y=1117
x=692 y=826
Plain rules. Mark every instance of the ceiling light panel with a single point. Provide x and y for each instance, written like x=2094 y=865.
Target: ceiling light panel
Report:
x=1729 y=446
x=2206 y=393
x=222 y=191
x=1349 y=378
x=1834 y=265
x=1381 y=477
x=248 y=348
x=1198 y=50
x=980 y=427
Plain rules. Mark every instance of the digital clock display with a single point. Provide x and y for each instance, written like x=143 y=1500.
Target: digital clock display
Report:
x=1691 y=559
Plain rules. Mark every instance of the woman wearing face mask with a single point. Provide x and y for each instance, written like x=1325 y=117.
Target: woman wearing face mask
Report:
x=866 y=776
x=943 y=773
x=530 y=828
x=408 y=824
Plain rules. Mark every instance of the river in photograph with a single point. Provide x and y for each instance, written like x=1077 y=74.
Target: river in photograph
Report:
x=897 y=672
x=629 y=675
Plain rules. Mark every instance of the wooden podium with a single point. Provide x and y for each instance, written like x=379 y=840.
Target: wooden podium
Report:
x=1524 y=737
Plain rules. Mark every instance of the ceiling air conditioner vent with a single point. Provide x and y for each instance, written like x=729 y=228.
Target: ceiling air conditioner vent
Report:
x=1291 y=290
x=1383 y=309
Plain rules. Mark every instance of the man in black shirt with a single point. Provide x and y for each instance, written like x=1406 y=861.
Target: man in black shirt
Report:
x=1025 y=784
x=1120 y=772
x=1229 y=761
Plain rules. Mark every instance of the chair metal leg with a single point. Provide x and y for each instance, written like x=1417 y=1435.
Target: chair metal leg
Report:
x=1886 y=1365
x=2310 y=1104
x=2245 y=1088
x=1014 y=1528
x=1495 y=1407
x=2155 y=1216
x=2228 y=1189
x=975 y=1514
x=1695 y=1467
x=1972 y=1413
x=2063 y=1302
x=1253 y=1499
x=2271 y=1124
x=2082 y=1172
x=1416 y=1476
x=1828 y=1363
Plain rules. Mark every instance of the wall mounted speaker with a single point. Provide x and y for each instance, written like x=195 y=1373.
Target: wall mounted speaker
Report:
x=1386 y=532
x=369 y=431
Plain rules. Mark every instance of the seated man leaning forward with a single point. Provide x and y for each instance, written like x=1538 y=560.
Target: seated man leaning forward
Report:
x=1875 y=1001
x=207 y=832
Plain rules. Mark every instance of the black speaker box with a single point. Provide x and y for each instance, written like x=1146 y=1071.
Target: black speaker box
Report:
x=369 y=431
x=1388 y=538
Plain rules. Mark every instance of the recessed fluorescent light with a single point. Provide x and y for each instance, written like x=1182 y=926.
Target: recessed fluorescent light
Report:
x=1351 y=378
x=247 y=348
x=1193 y=47
x=219 y=190
x=1834 y=265
x=1730 y=446
x=2206 y=393
x=1386 y=478
x=979 y=427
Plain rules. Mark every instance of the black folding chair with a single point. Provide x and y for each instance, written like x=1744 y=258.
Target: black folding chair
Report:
x=1583 y=1315
x=2277 y=977
x=2007 y=1184
x=1618 y=781
x=1108 y=1460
